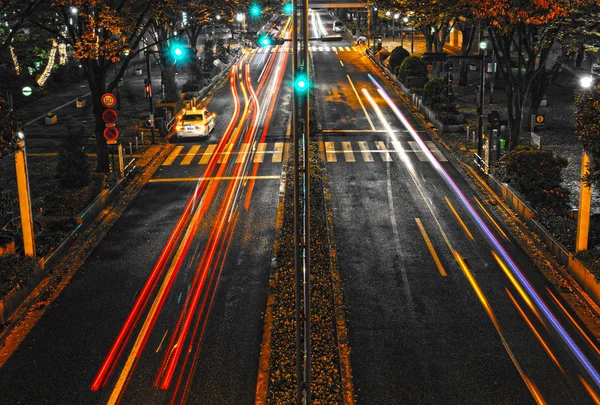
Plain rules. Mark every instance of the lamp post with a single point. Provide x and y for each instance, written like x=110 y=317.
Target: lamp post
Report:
x=388 y=14
x=482 y=48
x=397 y=16
x=412 y=40
x=585 y=190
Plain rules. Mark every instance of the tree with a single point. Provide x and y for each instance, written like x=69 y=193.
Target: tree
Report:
x=73 y=170
x=8 y=127
x=530 y=28
x=101 y=33
x=587 y=127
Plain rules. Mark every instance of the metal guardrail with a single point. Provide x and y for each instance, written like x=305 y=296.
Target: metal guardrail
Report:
x=481 y=164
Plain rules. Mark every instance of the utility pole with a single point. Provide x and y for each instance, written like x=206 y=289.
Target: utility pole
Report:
x=24 y=196
x=585 y=199
x=482 y=47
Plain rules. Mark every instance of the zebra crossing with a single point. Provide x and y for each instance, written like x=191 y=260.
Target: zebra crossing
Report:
x=277 y=152
x=284 y=49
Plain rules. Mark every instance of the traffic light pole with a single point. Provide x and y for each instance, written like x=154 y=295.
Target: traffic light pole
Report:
x=480 y=106
x=150 y=96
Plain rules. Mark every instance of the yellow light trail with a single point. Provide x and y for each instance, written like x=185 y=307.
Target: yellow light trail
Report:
x=361 y=103
x=491 y=219
x=534 y=330
x=458 y=218
x=530 y=385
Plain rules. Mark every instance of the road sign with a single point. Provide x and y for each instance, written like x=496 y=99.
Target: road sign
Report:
x=108 y=100
x=111 y=134
x=109 y=116
x=536 y=141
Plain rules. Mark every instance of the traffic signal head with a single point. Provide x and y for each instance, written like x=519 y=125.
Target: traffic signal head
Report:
x=255 y=11
x=301 y=83
x=288 y=8
x=264 y=40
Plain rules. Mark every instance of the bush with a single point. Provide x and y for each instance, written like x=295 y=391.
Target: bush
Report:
x=14 y=270
x=222 y=53
x=412 y=66
x=537 y=175
x=433 y=92
x=382 y=55
x=209 y=55
x=397 y=57
x=73 y=170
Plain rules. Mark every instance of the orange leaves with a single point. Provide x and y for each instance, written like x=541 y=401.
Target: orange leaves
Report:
x=536 y=12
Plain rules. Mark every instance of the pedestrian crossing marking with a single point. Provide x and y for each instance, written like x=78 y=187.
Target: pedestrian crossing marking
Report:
x=314 y=48
x=225 y=155
x=330 y=152
x=436 y=151
x=260 y=153
x=278 y=152
x=364 y=150
x=241 y=157
x=190 y=155
x=385 y=155
x=207 y=154
x=348 y=154
x=327 y=48
x=418 y=151
x=281 y=49
x=169 y=161
x=281 y=151
x=320 y=48
x=348 y=49
x=322 y=151
x=354 y=49
x=334 y=48
x=289 y=130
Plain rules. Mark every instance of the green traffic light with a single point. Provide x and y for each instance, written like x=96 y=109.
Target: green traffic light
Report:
x=266 y=42
x=288 y=8
x=178 y=51
x=255 y=11
x=301 y=83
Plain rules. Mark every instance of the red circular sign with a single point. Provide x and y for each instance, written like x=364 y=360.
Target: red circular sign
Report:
x=111 y=134
x=108 y=100
x=109 y=116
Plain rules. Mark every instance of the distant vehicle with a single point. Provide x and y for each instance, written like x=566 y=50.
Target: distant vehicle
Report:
x=338 y=26
x=195 y=122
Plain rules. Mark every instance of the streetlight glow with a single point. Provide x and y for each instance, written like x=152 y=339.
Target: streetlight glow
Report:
x=483 y=45
x=586 y=81
x=240 y=17
x=73 y=10
x=396 y=16
x=218 y=17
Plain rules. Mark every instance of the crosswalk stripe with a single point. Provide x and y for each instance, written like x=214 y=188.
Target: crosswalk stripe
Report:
x=436 y=151
x=289 y=130
x=418 y=151
x=190 y=155
x=322 y=151
x=286 y=152
x=174 y=154
x=330 y=151
x=348 y=49
x=320 y=49
x=354 y=49
x=241 y=157
x=334 y=48
x=277 y=152
x=225 y=155
x=260 y=153
x=327 y=49
x=385 y=155
x=348 y=154
x=367 y=157
x=207 y=154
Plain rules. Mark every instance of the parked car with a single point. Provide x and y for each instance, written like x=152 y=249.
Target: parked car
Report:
x=338 y=26
x=195 y=122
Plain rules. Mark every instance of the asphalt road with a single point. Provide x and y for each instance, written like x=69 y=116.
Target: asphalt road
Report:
x=458 y=331
x=196 y=317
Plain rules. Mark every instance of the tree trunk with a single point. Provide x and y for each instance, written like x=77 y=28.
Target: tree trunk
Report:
x=465 y=49
x=96 y=80
x=579 y=59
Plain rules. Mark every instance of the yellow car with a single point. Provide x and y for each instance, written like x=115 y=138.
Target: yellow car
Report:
x=197 y=122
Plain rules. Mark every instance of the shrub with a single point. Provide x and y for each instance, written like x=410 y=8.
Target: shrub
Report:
x=433 y=92
x=397 y=57
x=222 y=53
x=382 y=55
x=14 y=270
x=209 y=55
x=73 y=170
x=537 y=175
x=412 y=66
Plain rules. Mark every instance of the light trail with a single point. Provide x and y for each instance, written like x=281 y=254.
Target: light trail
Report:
x=495 y=243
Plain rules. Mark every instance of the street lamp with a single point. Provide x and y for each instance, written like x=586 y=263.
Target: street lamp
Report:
x=412 y=39
x=482 y=48
x=387 y=14
x=396 y=16
x=586 y=81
